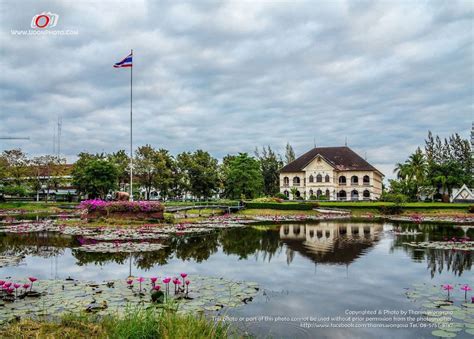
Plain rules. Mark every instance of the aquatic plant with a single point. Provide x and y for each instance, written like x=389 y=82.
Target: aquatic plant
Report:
x=183 y=275
x=447 y=287
x=140 y=280
x=153 y=281
x=187 y=286
x=465 y=288
x=121 y=206
x=32 y=279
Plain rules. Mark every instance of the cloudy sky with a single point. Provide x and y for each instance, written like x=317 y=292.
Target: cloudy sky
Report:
x=228 y=76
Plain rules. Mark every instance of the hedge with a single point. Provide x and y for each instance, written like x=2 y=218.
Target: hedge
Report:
x=281 y=206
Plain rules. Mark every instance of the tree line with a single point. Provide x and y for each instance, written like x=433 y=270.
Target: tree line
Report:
x=196 y=174
x=434 y=170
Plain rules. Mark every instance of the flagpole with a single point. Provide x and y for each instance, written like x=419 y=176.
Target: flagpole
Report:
x=131 y=130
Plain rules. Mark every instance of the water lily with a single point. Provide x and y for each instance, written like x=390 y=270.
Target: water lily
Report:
x=157 y=287
x=153 y=280
x=26 y=286
x=7 y=284
x=465 y=288
x=183 y=275
x=187 y=285
x=2 y=282
x=130 y=283
x=167 y=282
x=447 y=287
x=140 y=280
x=16 y=286
x=32 y=279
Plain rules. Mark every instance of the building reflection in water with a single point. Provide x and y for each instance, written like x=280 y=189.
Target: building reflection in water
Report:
x=329 y=242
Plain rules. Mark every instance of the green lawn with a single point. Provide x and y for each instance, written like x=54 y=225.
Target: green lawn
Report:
x=36 y=206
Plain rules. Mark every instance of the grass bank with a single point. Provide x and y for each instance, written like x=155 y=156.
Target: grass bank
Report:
x=136 y=323
x=51 y=207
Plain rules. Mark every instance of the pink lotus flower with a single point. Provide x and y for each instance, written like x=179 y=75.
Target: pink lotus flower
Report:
x=153 y=279
x=157 y=287
x=465 y=288
x=141 y=279
x=16 y=285
x=447 y=287
x=183 y=275
x=7 y=284
x=2 y=282
x=187 y=282
x=187 y=286
x=25 y=286
x=167 y=280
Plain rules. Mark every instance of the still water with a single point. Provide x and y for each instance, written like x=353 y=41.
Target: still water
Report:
x=318 y=270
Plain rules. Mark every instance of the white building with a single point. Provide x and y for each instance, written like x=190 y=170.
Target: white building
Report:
x=338 y=173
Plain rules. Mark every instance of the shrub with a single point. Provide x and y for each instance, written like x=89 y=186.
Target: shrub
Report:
x=282 y=206
x=394 y=197
x=391 y=209
x=323 y=197
x=281 y=196
x=313 y=197
x=268 y=199
x=121 y=206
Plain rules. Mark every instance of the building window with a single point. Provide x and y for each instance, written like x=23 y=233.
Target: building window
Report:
x=311 y=178
x=354 y=195
x=311 y=193
x=327 y=194
x=296 y=181
x=342 y=195
x=286 y=193
x=286 y=181
x=298 y=194
x=366 y=180
x=355 y=180
x=326 y=178
x=319 y=178
x=319 y=193
x=366 y=195
x=342 y=180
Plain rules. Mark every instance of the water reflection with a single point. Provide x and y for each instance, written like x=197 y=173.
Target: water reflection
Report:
x=329 y=242
x=332 y=243
x=436 y=260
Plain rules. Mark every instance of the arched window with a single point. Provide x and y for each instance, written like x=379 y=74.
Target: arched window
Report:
x=286 y=181
x=311 y=193
x=355 y=180
x=286 y=193
x=319 y=193
x=342 y=195
x=296 y=181
x=311 y=178
x=319 y=178
x=327 y=194
x=366 y=195
x=342 y=180
x=298 y=194
x=326 y=178
x=354 y=195
x=366 y=180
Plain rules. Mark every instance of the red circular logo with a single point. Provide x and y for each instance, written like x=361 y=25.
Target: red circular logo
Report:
x=46 y=21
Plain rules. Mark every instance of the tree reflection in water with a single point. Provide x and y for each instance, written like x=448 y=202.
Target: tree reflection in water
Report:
x=437 y=260
x=323 y=242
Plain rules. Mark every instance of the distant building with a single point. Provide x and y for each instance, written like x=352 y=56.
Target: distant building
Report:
x=463 y=194
x=334 y=173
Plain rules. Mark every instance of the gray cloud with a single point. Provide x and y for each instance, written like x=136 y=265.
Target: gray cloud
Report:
x=229 y=76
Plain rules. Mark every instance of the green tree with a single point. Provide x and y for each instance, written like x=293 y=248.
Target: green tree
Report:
x=242 y=176
x=447 y=176
x=94 y=175
x=289 y=154
x=121 y=160
x=270 y=165
x=200 y=173
x=145 y=168
x=17 y=166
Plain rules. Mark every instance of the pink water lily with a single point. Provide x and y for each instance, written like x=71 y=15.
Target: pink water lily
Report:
x=16 y=285
x=157 y=287
x=447 y=287
x=25 y=286
x=2 y=282
x=466 y=288
x=140 y=280
x=183 y=275
x=187 y=285
x=7 y=284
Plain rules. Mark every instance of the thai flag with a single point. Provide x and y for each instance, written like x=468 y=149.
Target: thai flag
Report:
x=127 y=62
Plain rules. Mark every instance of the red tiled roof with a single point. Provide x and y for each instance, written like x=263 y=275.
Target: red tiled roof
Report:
x=341 y=158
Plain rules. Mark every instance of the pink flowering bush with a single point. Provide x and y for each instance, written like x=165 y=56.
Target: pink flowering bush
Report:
x=121 y=206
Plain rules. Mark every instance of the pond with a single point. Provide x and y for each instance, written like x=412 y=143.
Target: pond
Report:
x=306 y=271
